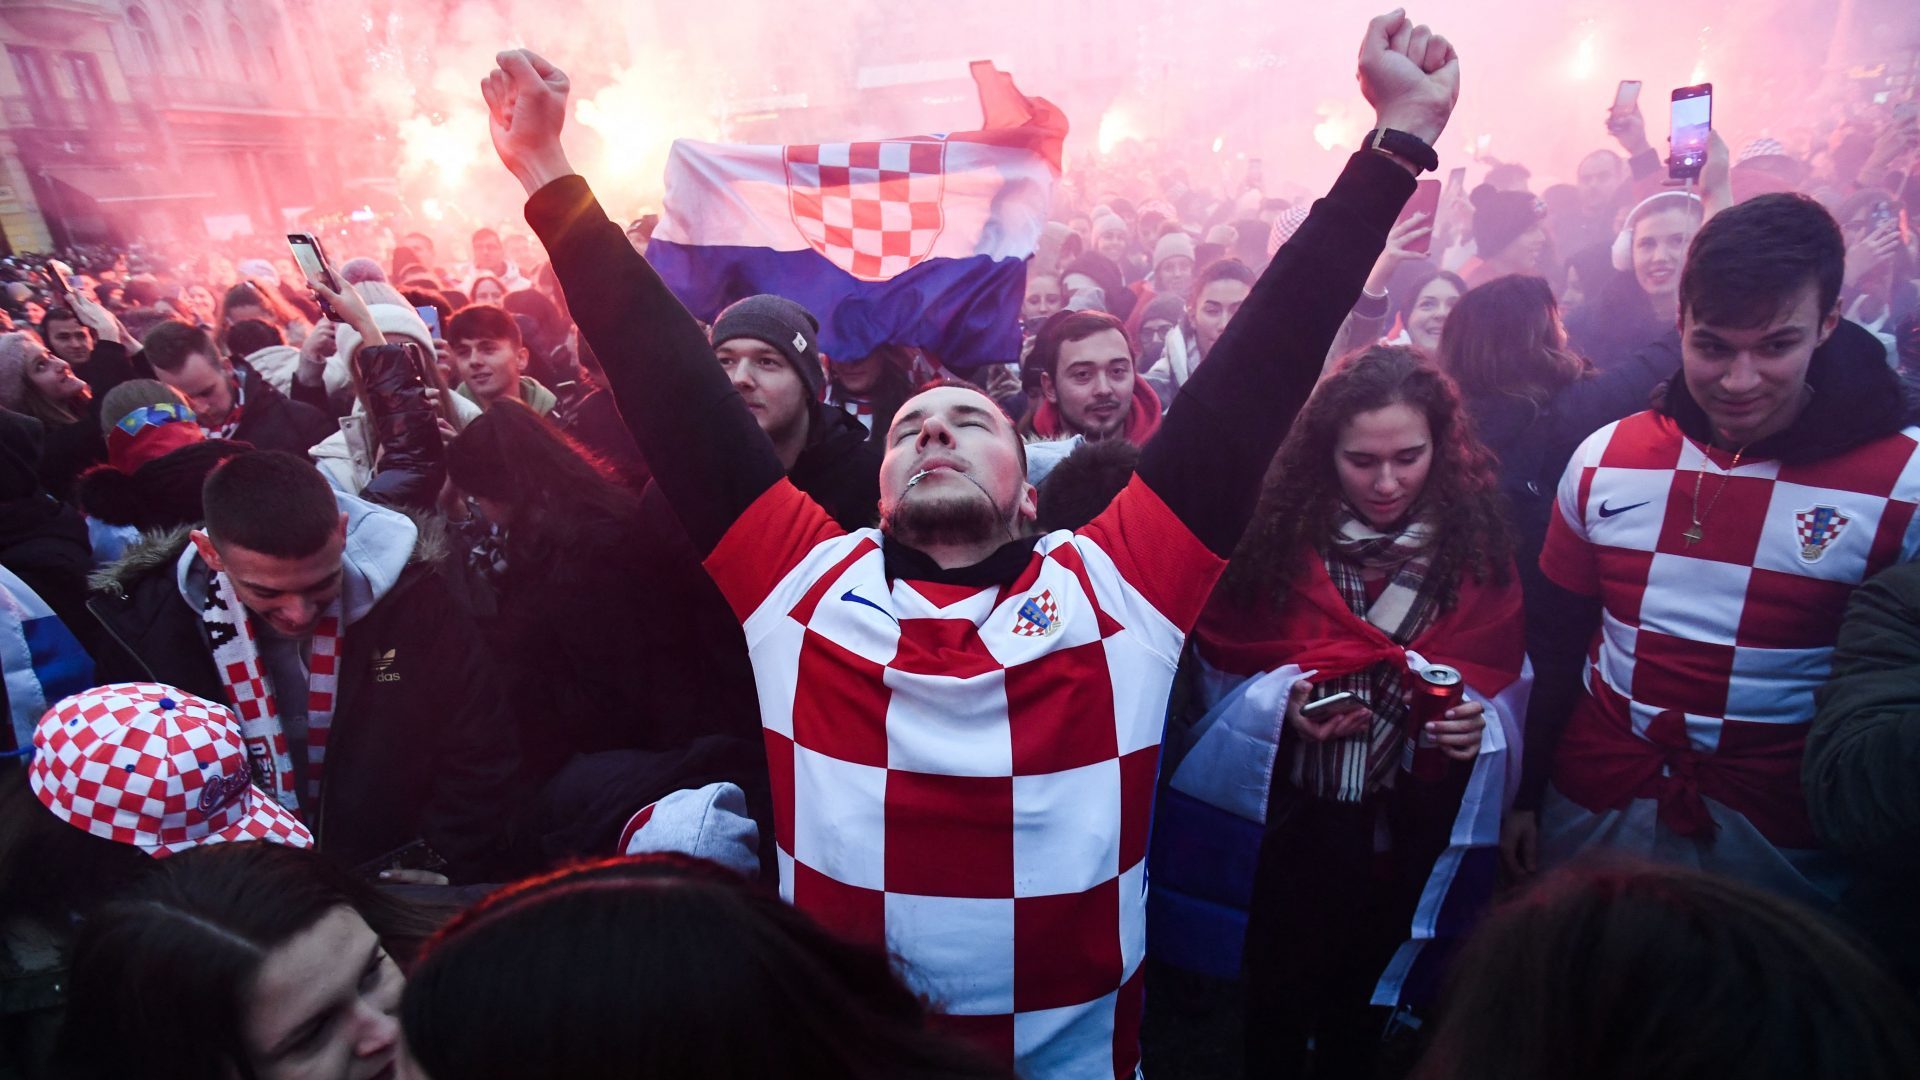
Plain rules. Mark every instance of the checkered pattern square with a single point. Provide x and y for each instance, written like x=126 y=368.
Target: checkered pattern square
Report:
x=152 y=766
x=1736 y=629
x=971 y=793
x=871 y=208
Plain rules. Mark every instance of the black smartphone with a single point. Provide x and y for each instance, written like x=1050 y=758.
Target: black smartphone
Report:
x=414 y=856
x=1692 y=124
x=307 y=254
x=1426 y=200
x=1627 y=97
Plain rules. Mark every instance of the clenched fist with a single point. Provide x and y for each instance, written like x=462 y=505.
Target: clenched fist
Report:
x=526 y=108
x=1410 y=75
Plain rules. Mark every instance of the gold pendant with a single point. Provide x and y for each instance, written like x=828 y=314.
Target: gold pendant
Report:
x=1693 y=535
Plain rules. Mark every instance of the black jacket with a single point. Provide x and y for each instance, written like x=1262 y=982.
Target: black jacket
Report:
x=422 y=746
x=270 y=420
x=588 y=415
x=71 y=449
x=1862 y=766
x=1616 y=323
x=840 y=468
x=1857 y=399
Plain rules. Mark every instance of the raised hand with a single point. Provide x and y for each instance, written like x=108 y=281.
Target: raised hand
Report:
x=526 y=108
x=1409 y=74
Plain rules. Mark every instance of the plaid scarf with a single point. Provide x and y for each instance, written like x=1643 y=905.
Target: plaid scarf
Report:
x=236 y=653
x=1350 y=769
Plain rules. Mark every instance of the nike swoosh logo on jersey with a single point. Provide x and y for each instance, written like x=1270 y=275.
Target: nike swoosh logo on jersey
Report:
x=852 y=597
x=1608 y=511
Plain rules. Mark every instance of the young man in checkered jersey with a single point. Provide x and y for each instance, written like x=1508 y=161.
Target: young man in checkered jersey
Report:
x=1704 y=553
x=963 y=718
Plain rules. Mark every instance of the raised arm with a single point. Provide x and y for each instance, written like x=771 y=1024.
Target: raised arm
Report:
x=708 y=455
x=1207 y=460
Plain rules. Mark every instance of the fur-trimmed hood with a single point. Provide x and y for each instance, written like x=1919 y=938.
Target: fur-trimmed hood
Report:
x=373 y=554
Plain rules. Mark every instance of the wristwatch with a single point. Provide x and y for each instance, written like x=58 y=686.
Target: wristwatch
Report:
x=1402 y=145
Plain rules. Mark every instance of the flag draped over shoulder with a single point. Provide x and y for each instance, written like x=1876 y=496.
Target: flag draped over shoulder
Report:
x=919 y=241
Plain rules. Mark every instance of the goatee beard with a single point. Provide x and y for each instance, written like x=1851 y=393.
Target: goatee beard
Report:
x=927 y=520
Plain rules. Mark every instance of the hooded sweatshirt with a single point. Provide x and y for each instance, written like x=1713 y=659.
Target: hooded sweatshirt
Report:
x=1143 y=416
x=380 y=543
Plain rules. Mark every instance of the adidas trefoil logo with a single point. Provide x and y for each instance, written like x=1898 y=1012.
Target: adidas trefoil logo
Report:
x=383 y=667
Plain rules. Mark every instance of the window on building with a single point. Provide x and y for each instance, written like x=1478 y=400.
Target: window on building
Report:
x=36 y=81
x=146 y=44
x=242 y=51
x=84 y=70
x=199 y=53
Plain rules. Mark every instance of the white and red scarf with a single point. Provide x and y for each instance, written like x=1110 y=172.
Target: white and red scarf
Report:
x=236 y=653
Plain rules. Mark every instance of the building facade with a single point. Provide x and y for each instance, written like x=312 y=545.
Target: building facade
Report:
x=170 y=120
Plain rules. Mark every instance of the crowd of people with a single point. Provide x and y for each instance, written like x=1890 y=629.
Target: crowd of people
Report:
x=1492 y=631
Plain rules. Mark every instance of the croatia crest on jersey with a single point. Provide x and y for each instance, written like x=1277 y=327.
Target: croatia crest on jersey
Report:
x=872 y=208
x=1039 y=616
x=1818 y=527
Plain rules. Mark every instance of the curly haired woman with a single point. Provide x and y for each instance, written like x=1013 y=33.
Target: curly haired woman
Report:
x=1380 y=548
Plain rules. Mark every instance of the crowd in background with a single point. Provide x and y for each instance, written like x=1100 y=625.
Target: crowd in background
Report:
x=467 y=655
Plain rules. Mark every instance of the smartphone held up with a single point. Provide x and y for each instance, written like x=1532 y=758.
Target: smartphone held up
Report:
x=1692 y=127
x=312 y=260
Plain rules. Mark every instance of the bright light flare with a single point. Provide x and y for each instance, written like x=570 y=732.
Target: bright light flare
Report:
x=1584 y=54
x=1336 y=128
x=1116 y=127
x=637 y=116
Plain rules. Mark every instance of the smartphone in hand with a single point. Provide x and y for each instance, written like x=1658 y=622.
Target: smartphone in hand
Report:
x=312 y=261
x=1692 y=124
x=1426 y=200
x=1627 y=97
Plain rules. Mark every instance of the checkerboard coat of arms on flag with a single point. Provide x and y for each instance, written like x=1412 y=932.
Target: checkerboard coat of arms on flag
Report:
x=873 y=208
x=917 y=240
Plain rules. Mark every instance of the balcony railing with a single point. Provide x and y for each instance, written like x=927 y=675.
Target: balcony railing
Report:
x=45 y=113
x=200 y=91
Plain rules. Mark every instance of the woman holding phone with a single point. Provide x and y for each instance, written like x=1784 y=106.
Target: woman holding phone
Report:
x=1379 y=549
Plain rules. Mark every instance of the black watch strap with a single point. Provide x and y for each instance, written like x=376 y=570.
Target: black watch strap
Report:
x=1400 y=144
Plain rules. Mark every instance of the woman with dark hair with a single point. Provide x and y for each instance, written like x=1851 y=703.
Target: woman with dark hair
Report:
x=1421 y=309
x=1352 y=834
x=1532 y=400
x=662 y=966
x=872 y=387
x=1659 y=973
x=36 y=383
x=488 y=289
x=565 y=556
x=252 y=960
x=545 y=332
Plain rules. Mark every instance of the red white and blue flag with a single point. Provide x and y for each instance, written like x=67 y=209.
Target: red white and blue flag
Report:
x=917 y=241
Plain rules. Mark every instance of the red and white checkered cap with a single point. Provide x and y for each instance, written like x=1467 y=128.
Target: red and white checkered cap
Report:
x=148 y=765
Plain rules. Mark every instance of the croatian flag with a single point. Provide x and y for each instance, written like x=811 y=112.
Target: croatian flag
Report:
x=917 y=241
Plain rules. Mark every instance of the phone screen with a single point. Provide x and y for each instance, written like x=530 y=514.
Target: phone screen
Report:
x=313 y=263
x=431 y=316
x=1457 y=181
x=1692 y=122
x=1625 y=98
x=1426 y=200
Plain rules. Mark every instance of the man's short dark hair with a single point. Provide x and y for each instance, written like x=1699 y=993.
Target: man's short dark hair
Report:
x=249 y=336
x=1746 y=260
x=1067 y=326
x=168 y=345
x=1228 y=269
x=271 y=502
x=477 y=322
x=54 y=315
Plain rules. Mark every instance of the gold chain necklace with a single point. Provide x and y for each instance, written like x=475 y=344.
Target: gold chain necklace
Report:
x=1698 y=530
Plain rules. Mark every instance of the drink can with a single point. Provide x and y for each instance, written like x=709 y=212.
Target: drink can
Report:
x=1435 y=690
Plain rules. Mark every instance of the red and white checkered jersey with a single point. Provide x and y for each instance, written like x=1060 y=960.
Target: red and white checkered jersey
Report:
x=965 y=774
x=1723 y=642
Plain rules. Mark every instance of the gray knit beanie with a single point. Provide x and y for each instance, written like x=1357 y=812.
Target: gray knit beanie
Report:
x=16 y=351
x=782 y=324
